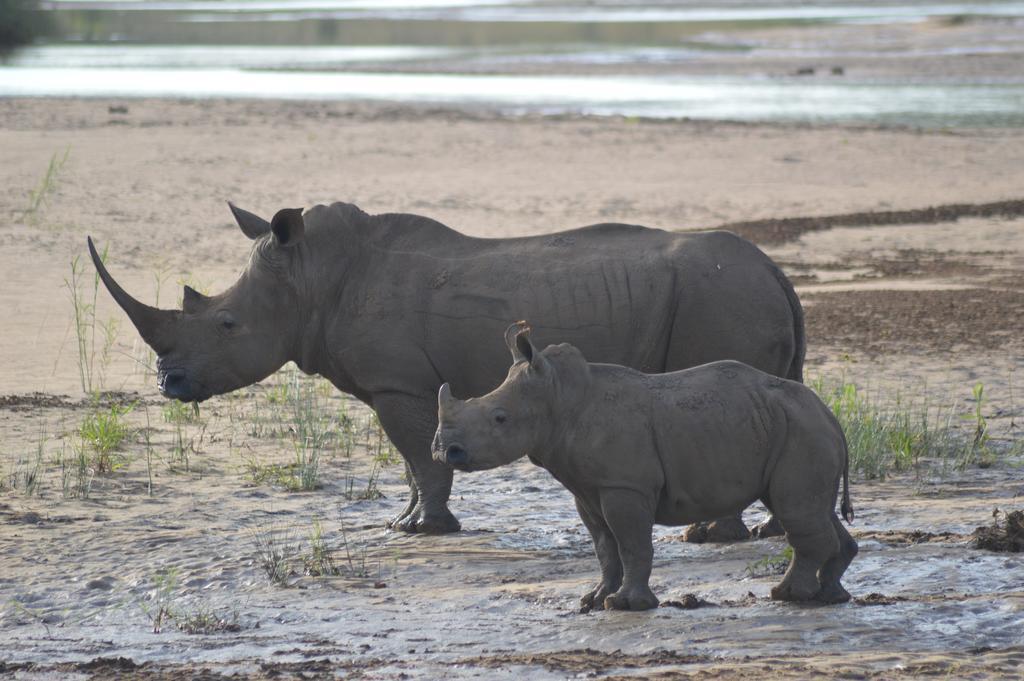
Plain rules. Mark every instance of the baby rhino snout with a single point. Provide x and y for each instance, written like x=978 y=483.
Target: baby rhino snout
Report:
x=456 y=456
x=446 y=451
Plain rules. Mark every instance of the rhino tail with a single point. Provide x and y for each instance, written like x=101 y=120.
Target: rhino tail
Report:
x=846 y=507
x=796 y=368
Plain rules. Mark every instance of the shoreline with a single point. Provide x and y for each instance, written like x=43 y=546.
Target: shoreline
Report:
x=373 y=110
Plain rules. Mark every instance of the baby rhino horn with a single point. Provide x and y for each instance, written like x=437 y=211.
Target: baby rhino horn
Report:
x=444 y=397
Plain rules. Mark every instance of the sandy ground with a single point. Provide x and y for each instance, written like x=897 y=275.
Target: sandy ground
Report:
x=914 y=302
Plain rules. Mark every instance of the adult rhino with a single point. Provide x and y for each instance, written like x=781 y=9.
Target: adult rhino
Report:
x=389 y=307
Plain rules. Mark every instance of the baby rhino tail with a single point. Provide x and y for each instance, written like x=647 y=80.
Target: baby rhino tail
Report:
x=846 y=507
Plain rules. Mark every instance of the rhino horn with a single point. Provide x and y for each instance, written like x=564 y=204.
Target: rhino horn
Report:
x=150 y=321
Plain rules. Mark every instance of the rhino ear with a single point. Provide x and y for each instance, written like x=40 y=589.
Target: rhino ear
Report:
x=193 y=301
x=510 y=340
x=526 y=350
x=288 y=226
x=253 y=226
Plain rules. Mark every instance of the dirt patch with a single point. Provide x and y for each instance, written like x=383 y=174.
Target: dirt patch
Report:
x=878 y=599
x=907 y=263
x=908 y=538
x=1006 y=536
x=585 y=660
x=125 y=669
x=977 y=663
x=688 y=602
x=39 y=400
x=883 y=321
x=30 y=401
x=781 y=230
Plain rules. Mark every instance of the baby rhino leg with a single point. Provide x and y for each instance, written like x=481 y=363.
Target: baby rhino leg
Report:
x=814 y=543
x=832 y=590
x=607 y=554
x=630 y=516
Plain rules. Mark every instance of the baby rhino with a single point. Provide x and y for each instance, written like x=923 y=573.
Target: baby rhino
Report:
x=637 y=449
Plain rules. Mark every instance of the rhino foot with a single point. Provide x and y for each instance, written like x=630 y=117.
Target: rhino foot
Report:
x=727 y=530
x=696 y=533
x=636 y=599
x=594 y=600
x=422 y=522
x=769 y=528
x=832 y=594
x=721 y=531
x=395 y=522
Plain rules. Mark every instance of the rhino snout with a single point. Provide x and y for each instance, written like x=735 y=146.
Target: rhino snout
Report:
x=456 y=457
x=174 y=383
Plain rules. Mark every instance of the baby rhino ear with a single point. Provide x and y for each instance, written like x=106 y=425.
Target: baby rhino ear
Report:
x=511 y=340
x=524 y=346
x=288 y=226
x=529 y=352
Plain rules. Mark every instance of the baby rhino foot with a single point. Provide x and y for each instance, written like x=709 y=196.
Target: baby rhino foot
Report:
x=833 y=593
x=635 y=599
x=794 y=591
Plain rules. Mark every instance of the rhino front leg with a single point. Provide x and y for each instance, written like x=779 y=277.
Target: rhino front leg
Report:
x=607 y=551
x=410 y=422
x=630 y=516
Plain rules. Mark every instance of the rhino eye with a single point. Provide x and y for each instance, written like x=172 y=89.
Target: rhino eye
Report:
x=227 y=322
x=500 y=416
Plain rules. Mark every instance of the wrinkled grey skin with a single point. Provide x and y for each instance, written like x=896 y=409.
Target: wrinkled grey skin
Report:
x=389 y=307
x=637 y=449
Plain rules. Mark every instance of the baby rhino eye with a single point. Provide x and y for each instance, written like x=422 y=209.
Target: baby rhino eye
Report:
x=500 y=416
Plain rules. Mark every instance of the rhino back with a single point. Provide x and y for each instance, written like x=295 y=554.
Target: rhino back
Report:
x=422 y=302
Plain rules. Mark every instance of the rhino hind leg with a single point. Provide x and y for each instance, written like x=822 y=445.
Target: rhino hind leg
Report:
x=832 y=590
x=720 y=531
x=815 y=543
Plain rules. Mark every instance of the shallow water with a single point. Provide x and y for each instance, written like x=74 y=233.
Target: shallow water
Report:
x=573 y=11
x=533 y=57
x=657 y=97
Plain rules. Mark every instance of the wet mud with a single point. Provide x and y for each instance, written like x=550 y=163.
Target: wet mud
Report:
x=1005 y=534
x=771 y=231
